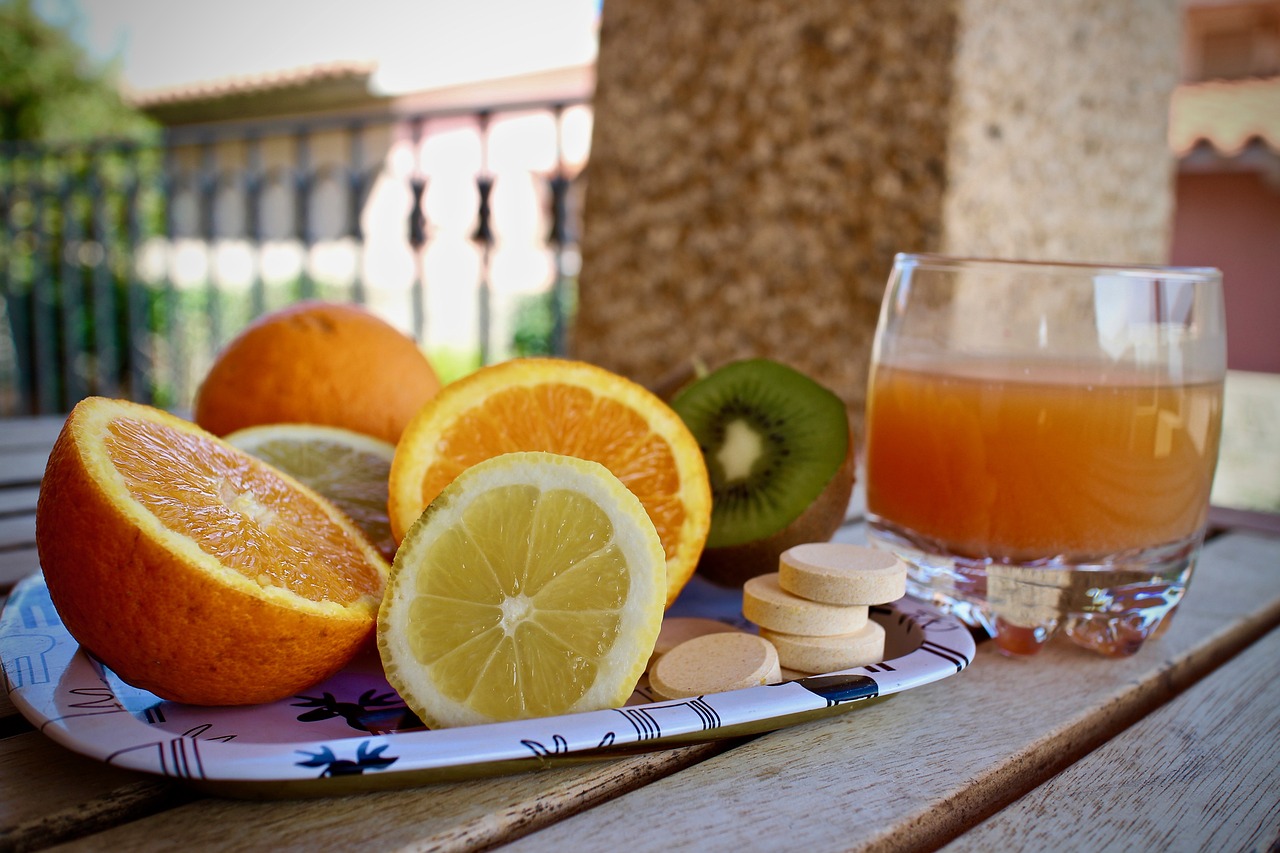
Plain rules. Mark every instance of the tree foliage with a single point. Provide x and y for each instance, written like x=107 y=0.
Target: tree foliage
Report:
x=50 y=90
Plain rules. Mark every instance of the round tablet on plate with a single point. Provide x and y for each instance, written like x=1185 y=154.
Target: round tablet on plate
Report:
x=838 y=573
x=768 y=605
x=677 y=629
x=714 y=663
x=828 y=654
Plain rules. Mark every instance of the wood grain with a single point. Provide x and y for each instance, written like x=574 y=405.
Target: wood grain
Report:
x=918 y=770
x=22 y=467
x=18 y=556
x=52 y=794
x=10 y=721
x=18 y=500
x=17 y=530
x=471 y=815
x=16 y=563
x=38 y=433
x=910 y=773
x=1194 y=775
x=24 y=447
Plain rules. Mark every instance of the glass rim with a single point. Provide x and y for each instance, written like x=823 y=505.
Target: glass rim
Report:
x=932 y=260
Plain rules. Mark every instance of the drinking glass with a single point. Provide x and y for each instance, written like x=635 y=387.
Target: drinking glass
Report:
x=1041 y=442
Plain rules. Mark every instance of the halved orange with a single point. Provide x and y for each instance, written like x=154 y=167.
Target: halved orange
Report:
x=194 y=570
x=569 y=408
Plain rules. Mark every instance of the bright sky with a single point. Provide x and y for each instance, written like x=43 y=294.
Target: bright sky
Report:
x=417 y=44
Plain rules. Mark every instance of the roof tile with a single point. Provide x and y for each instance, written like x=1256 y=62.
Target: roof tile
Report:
x=1226 y=114
x=251 y=84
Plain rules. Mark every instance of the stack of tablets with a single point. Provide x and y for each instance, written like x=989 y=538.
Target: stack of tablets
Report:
x=813 y=615
x=815 y=608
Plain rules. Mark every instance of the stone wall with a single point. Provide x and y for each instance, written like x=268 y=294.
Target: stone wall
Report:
x=756 y=165
x=1059 y=130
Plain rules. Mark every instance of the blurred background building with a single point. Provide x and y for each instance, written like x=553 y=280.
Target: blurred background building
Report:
x=1225 y=131
x=430 y=159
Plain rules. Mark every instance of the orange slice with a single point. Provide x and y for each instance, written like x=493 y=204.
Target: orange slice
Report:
x=569 y=408
x=194 y=570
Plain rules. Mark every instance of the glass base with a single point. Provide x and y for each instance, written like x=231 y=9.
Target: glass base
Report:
x=1110 y=606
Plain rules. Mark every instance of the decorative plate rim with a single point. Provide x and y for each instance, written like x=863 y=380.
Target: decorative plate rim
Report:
x=73 y=699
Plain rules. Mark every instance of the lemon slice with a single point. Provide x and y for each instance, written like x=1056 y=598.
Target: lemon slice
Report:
x=533 y=585
x=348 y=468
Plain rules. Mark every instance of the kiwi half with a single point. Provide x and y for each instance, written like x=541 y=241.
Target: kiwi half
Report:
x=779 y=456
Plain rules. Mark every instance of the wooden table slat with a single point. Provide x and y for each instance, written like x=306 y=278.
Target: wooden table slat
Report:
x=16 y=564
x=15 y=500
x=467 y=815
x=52 y=794
x=912 y=772
x=10 y=721
x=18 y=556
x=23 y=468
x=1187 y=777
x=923 y=767
x=979 y=760
x=28 y=433
x=17 y=530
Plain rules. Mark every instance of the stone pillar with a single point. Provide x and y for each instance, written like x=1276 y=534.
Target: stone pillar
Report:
x=757 y=163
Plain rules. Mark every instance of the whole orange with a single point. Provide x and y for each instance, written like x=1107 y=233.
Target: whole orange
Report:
x=327 y=363
x=194 y=570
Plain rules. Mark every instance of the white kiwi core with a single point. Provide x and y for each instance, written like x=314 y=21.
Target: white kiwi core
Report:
x=742 y=447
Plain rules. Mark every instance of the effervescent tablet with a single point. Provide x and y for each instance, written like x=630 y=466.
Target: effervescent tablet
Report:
x=768 y=605
x=713 y=663
x=839 y=573
x=677 y=629
x=828 y=654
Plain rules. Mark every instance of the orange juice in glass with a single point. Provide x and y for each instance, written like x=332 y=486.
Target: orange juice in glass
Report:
x=1041 y=442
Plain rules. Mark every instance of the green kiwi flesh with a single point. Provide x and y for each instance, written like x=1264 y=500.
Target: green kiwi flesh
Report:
x=734 y=565
x=773 y=440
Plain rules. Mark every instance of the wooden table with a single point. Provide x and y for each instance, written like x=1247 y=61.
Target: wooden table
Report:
x=1175 y=748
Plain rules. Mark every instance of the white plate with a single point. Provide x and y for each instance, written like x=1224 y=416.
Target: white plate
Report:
x=352 y=731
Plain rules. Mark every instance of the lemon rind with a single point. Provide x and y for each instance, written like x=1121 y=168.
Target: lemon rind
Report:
x=634 y=534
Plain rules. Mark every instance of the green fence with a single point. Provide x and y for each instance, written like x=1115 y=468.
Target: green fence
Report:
x=102 y=247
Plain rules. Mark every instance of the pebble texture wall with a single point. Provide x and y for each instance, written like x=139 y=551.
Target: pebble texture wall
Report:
x=755 y=165
x=1059 y=130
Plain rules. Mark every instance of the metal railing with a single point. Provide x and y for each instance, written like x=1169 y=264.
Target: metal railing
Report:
x=124 y=266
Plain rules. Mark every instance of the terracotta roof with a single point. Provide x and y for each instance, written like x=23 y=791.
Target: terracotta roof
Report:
x=253 y=84
x=1226 y=114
